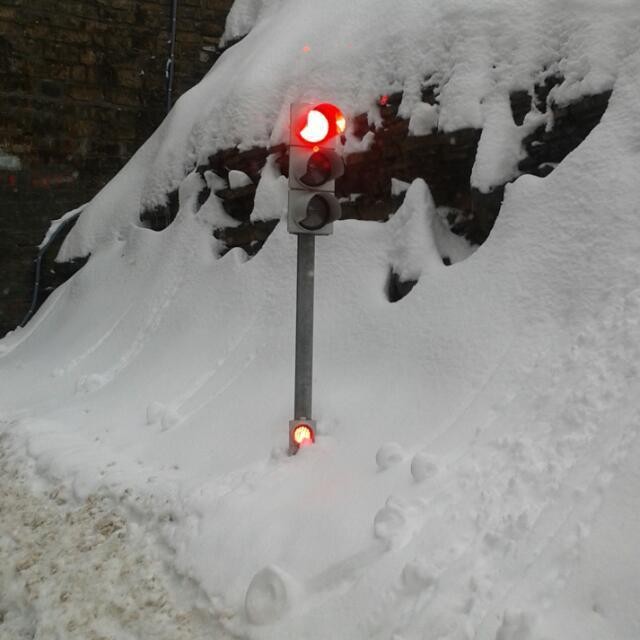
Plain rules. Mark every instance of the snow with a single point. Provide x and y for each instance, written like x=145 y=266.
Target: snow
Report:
x=388 y=455
x=455 y=248
x=271 y=194
x=475 y=469
x=424 y=119
x=238 y=179
x=414 y=249
x=351 y=53
x=83 y=571
x=212 y=212
x=271 y=593
x=423 y=466
x=500 y=147
x=421 y=237
x=55 y=225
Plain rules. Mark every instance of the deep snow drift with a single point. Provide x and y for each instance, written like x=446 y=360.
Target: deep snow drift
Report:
x=475 y=473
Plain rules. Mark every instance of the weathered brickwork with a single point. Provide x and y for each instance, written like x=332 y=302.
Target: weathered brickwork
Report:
x=82 y=85
x=444 y=160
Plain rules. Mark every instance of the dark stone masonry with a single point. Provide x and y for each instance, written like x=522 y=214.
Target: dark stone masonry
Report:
x=443 y=160
x=83 y=85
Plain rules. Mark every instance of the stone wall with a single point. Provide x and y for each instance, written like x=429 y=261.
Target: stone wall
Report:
x=444 y=160
x=82 y=86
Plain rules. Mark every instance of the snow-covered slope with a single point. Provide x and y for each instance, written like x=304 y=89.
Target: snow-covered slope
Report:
x=475 y=473
x=353 y=52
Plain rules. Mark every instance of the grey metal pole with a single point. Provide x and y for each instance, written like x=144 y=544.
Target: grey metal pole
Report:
x=304 y=326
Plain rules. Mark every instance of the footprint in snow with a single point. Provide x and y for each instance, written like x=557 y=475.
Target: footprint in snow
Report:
x=516 y=626
x=91 y=383
x=270 y=595
x=423 y=467
x=396 y=522
x=417 y=576
x=389 y=455
x=163 y=415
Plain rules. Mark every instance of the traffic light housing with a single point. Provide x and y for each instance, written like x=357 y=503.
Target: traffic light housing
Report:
x=302 y=432
x=314 y=164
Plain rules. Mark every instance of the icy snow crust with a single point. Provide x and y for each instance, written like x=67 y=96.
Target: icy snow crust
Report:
x=475 y=473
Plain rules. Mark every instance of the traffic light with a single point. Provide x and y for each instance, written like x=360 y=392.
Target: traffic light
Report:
x=314 y=164
x=302 y=433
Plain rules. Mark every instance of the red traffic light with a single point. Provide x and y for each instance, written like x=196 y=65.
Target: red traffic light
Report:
x=301 y=434
x=315 y=162
x=320 y=124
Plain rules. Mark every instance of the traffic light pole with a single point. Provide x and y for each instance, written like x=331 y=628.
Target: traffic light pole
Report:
x=304 y=326
x=314 y=165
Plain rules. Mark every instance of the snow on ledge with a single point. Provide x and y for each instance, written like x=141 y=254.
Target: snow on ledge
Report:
x=351 y=53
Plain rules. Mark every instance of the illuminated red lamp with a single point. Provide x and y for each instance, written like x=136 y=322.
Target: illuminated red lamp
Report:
x=301 y=434
x=320 y=124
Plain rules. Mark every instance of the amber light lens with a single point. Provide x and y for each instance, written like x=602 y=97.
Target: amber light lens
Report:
x=318 y=170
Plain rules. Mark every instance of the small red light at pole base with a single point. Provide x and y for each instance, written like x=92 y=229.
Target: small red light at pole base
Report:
x=301 y=434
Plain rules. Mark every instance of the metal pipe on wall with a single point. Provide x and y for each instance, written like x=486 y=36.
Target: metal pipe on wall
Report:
x=64 y=223
x=169 y=69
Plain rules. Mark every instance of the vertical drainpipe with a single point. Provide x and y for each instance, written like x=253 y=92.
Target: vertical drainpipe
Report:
x=168 y=72
x=172 y=54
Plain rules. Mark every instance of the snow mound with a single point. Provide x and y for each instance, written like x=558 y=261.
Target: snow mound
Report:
x=414 y=247
x=164 y=370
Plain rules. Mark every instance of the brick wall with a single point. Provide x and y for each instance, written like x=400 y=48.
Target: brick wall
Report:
x=82 y=85
x=444 y=160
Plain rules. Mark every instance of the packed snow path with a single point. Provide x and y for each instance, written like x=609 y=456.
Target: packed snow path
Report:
x=84 y=571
